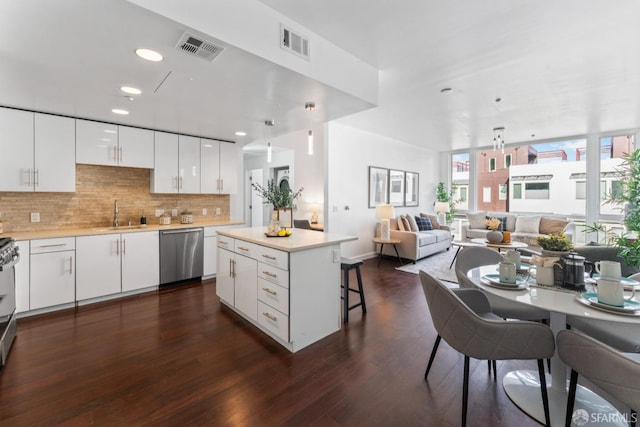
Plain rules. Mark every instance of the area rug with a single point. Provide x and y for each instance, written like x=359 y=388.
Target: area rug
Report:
x=437 y=265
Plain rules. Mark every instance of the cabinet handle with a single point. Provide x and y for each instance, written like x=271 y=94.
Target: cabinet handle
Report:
x=272 y=258
x=124 y=246
x=71 y=265
x=221 y=184
x=53 y=246
x=180 y=183
x=115 y=153
x=234 y=268
x=267 y=273
x=29 y=177
x=223 y=242
x=243 y=248
x=120 y=149
x=270 y=317
x=230 y=267
x=218 y=184
x=270 y=291
x=117 y=247
x=36 y=177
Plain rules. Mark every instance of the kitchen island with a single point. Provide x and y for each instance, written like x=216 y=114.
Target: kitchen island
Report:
x=288 y=287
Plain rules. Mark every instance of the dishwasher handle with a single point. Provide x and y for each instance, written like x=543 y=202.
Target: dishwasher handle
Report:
x=183 y=231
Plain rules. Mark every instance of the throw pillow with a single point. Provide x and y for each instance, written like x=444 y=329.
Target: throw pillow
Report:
x=412 y=223
x=400 y=224
x=527 y=224
x=503 y=222
x=424 y=224
x=405 y=223
x=476 y=220
x=552 y=225
x=434 y=220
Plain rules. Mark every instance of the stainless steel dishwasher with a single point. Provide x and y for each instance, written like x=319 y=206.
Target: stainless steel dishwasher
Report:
x=181 y=254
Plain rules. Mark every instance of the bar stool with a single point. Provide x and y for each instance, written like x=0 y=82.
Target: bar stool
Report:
x=346 y=266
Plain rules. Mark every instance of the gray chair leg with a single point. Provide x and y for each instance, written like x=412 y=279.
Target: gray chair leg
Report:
x=571 y=397
x=465 y=391
x=543 y=389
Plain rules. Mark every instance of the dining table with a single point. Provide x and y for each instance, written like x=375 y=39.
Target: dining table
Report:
x=523 y=386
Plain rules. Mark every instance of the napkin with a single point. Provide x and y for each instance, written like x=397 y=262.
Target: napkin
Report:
x=541 y=261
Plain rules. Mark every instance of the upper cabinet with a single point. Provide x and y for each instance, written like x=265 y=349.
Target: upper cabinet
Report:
x=112 y=145
x=219 y=167
x=177 y=164
x=38 y=152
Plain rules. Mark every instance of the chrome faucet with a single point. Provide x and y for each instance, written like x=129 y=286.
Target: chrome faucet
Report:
x=115 y=214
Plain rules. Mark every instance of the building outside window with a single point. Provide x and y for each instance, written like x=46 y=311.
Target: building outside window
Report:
x=507 y=160
x=492 y=164
x=502 y=192
x=517 y=191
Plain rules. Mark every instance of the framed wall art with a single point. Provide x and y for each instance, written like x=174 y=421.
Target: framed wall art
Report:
x=378 y=186
x=396 y=187
x=412 y=181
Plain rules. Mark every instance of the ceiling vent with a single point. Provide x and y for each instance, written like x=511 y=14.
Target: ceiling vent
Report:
x=294 y=42
x=197 y=47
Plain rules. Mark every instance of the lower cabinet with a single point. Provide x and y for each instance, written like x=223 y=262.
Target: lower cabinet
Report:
x=237 y=281
x=22 y=276
x=113 y=263
x=52 y=272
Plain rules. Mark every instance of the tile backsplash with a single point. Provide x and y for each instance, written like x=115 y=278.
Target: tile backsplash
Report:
x=97 y=187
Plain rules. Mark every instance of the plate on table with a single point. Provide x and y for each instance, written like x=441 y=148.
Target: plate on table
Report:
x=590 y=299
x=494 y=280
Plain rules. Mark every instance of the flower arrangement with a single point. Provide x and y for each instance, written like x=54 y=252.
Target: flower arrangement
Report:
x=492 y=223
x=555 y=242
x=278 y=197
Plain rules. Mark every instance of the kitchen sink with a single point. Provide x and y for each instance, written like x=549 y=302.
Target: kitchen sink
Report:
x=121 y=227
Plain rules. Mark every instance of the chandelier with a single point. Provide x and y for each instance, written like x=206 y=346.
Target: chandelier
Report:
x=498 y=138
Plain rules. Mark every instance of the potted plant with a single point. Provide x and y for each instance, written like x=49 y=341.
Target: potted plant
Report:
x=628 y=198
x=442 y=195
x=556 y=245
x=276 y=196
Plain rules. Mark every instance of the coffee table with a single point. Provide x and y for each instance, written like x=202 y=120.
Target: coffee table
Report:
x=462 y=244
x=512 y=245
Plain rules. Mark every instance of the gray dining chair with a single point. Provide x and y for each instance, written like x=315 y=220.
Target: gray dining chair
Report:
x=609 y=369
x=474 y=257
x=302 y=223
x=478 y=338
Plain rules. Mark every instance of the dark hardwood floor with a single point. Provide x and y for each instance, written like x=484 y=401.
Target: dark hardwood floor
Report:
x=176 y=357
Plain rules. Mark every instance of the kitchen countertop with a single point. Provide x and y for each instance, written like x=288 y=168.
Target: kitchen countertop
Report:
x=299 y=240
x=73 y=232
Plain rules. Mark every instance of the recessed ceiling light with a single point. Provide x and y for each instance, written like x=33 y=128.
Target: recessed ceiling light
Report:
x=120 y=111
x=131 y=90
x=445 y=90
x=149 y=55
x=241 y=133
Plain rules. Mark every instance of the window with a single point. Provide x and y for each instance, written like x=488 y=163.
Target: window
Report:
x=536 y=190
x=463 y=194
x=581 y=190
x=616 y=189
x=603 y=190
x=502 y=192
x=507 y=160
x=492 y=164
x=517 y=191
x=486 y=194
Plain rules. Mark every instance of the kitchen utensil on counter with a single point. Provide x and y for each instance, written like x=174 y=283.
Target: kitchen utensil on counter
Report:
x=611 y=291
x=165 y=219
x=507 y=272
x=609 y=269
x=186 y=217
x=573 y=267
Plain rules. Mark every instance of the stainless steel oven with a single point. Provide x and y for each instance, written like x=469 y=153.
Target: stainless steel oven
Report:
x=9 y=257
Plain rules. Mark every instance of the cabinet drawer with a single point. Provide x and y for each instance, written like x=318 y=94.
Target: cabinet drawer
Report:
x=273 y=274
x=274 y=257
x=53 y=245
x=250 y=250
x=225 y=242
x=273 y=321
x=274 y=295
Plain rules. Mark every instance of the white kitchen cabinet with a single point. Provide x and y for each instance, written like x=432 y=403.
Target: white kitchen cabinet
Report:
x=219 y=167
x=98 y=266
x=112 y=263
x=136 y=147
x=177 y=164
x=52 y=272
x=22 y=277
x=228 y=168
x=16 y=150
x=96 y=143
x=140 y=260
x=37 y=152
x=55 y=154
x=210 y=252
x=225 y=283
x=237 y=283
x=112 y=145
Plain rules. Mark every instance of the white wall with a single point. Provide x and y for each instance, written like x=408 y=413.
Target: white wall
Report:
x=350 y=152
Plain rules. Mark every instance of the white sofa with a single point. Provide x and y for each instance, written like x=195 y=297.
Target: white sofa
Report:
x=415 y=245
x=523 y=227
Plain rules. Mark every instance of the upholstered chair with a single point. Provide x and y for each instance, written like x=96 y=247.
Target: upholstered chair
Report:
x=478 y=338
x=609 y=369
x=302 y=223
x=472 y=257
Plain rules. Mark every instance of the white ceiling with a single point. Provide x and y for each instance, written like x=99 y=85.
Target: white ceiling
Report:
x=561 y=68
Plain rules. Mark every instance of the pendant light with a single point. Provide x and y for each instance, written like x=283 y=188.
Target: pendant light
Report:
x=310 y=106
x=498 y=138
x=269 y=123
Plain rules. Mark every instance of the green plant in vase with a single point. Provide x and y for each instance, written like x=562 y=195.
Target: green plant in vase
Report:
x=554 y=244
x=276 y=196
x=442 y=195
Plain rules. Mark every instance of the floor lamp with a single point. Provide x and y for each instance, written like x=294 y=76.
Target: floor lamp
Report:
x=442 y=209
x=384 y=213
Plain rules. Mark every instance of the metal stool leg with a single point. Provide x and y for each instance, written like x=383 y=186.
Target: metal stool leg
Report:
x=359 y=276
x=345 y=295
